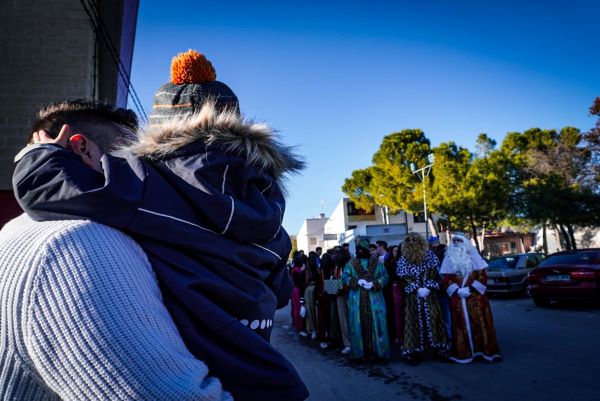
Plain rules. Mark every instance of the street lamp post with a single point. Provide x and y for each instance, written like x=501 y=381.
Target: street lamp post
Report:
x=422 y=173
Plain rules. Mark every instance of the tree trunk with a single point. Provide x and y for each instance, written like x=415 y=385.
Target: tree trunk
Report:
x=544 y=239
x=565 y=237
x=572 y=236
x=474 y=231
x=384 y=214
x=434 y=230
x=448 y=233
x=558 y=239
x=483 y=237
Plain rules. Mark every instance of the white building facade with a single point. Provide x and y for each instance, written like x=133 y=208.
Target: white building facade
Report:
x=348 y=223
x=310 y=236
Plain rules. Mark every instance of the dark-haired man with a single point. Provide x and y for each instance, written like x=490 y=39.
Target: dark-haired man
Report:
x=104 y=127
x=82 y=309
x=381 y=250
x=187 y=190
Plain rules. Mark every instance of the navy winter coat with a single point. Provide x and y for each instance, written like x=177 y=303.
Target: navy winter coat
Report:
x=203 y=198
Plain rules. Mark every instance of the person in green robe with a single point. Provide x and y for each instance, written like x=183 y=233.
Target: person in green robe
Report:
x=365 y=277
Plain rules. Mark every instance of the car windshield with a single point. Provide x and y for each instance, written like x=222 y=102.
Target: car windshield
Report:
x=505 y=262
x=579 y=258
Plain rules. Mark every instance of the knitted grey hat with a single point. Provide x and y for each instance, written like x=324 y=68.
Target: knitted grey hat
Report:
x=192 y=84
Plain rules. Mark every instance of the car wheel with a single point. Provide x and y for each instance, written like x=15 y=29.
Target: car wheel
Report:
x=542 y=302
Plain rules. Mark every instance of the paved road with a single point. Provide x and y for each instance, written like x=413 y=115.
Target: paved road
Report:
x=549 y=354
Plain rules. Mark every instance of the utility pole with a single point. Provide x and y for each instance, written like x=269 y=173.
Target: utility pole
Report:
x=422 y=173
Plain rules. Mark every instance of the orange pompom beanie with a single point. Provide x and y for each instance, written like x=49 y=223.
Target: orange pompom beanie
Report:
x=193 y=82
x=191 y=67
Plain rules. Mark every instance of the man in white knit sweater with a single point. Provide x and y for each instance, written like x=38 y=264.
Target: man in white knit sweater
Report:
x=81 y=318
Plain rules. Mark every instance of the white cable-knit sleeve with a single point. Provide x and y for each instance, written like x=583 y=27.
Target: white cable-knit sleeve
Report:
x=96 y=327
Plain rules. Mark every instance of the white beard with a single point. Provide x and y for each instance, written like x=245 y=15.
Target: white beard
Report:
x=459 y=259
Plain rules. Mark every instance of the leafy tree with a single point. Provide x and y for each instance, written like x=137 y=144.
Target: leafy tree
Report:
x=450 y=194
x=591 y=141
x=471 y=191
x=537 y=177
x=484 y=145
x=390 y=181
x=488 y=188
x=393 y=181
x=548 y=187
x=358 y=188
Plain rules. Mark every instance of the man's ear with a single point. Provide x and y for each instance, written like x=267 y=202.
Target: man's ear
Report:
x=81 y=145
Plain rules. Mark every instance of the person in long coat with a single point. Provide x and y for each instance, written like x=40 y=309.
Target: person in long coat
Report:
x=423 y=321
x=365 y=277
x=313 y=278
x=394 y=299
x=465 y=281
x=298 y=274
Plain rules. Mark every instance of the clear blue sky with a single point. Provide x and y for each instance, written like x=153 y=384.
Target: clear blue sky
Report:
x=336 y=77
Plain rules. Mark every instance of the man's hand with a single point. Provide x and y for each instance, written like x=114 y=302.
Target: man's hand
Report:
x=423 y=292
x=61 y=140
x=464 y=292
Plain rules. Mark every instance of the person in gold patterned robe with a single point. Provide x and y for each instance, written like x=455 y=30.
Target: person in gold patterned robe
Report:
x=465 y=281
x=423 y=320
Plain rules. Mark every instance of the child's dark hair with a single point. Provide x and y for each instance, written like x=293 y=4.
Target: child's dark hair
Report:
x=101 y=122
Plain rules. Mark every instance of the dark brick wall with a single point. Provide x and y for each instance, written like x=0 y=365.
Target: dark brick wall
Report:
x=47 y=55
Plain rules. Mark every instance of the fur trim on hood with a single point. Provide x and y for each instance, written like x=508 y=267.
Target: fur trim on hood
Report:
x=256 y=142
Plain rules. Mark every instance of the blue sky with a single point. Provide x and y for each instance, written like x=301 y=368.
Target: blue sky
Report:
x=336 y=77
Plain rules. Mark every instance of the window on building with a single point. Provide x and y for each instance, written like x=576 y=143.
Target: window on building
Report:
x=312 y=241
x=358 y=214
x=419 y=217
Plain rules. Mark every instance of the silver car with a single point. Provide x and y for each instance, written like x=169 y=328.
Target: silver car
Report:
x=508 y=273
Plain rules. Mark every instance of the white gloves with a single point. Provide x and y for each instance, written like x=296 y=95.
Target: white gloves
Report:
x=367 y=285
x=423 y=292
x=464 y=292
x=302 y=311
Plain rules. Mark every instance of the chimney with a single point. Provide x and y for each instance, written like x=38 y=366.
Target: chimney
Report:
x=322 y=216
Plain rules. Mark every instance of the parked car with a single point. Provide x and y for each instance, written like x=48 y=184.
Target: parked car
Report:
x=508 y=273
x=566 y=275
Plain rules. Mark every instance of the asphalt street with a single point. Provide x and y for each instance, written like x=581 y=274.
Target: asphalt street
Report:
x=548 y=354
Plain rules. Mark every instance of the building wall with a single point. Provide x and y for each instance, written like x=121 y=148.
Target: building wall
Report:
x=310 y=235
x=346 y=229
x=337 y=221
x=507 y=243
x=47 y=53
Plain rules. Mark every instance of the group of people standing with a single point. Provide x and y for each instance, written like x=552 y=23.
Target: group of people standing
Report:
x=431 y=301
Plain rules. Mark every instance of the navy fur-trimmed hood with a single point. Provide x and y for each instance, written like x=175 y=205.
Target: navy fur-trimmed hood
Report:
x=255 y=142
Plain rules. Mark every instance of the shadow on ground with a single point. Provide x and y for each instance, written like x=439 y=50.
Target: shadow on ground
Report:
x=383 y=371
